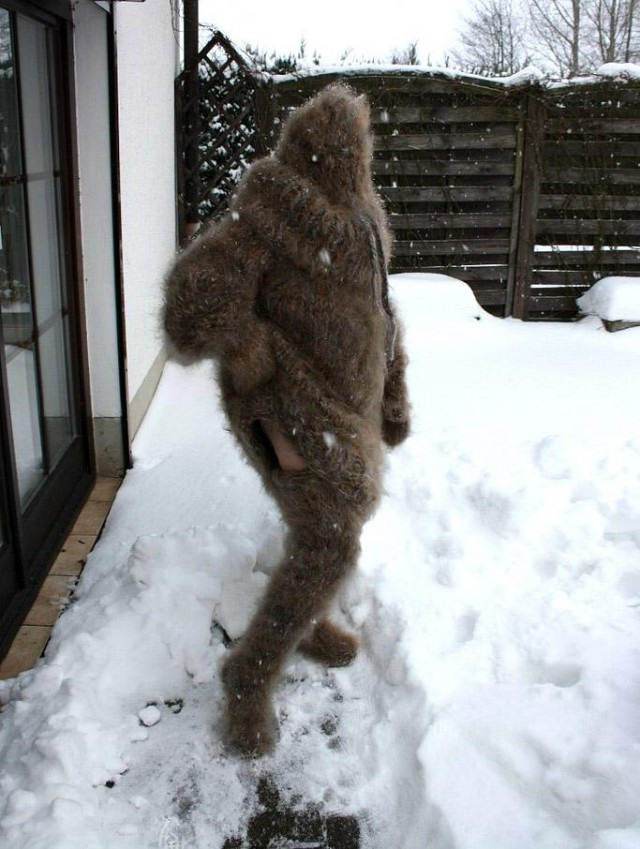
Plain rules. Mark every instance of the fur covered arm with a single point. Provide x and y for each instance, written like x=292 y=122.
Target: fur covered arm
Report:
x=283 y=207
x=209 y=308
x=396 y=411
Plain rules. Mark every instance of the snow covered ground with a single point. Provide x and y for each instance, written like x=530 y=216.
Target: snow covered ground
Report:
x=496 y=701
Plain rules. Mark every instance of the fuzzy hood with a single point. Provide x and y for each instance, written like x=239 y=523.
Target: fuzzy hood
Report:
x=329 y=142
x=316 y=187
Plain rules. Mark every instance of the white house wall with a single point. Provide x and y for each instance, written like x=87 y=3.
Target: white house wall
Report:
x=147 y=63
x=97 y=239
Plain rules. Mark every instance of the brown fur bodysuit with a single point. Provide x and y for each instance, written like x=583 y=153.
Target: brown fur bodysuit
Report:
x=289 y=293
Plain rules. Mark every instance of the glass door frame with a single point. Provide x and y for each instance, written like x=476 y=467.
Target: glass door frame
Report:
x=32 y=537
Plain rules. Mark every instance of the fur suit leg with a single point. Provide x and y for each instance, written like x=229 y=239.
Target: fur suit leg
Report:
x=322 y=548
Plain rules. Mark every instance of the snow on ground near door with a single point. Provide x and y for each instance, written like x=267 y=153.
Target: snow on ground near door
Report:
x=496 y=701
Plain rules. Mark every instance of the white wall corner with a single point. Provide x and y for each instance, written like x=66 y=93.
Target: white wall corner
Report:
x=95 y=190
x=147 y=52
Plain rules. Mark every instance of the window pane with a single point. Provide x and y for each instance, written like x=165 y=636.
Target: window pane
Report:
x=47 y=258
x=45 y=266
x=15 y=296
x=9 y=135
x=23 y=399
x=18 y=336
x=16 y=309
x=56 y=404
x=33 y=273
x=35 y=96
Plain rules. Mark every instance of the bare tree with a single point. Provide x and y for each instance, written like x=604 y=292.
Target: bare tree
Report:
x=407 y=56
x=491 y=39
x=557 y=27
x=575 y=36
x=614 y=26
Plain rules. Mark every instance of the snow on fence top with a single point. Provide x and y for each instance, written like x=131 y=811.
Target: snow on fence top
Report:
x=530 y=75
x=526 y=76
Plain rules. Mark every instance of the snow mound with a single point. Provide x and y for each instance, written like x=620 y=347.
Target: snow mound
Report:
x=526 y=76
x=497 y=607
x=613 y=299
x=220 y=583
x=440 y=297
x=619 y=70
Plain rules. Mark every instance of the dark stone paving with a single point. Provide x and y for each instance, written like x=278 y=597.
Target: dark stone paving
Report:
x=276 y=825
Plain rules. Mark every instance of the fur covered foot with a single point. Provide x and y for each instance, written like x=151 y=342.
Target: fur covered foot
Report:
x=329 y=645
x=249 y=723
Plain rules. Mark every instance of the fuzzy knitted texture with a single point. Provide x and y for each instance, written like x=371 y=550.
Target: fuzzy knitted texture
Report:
x=289 y=293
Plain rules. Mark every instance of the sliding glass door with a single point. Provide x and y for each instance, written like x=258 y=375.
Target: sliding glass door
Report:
x=45 y=463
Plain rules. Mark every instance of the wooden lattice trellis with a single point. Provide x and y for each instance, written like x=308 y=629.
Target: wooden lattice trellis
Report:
x=217 y=131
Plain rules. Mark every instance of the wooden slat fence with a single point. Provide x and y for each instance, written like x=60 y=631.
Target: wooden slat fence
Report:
x=445 y=163
x=588 y=204
x=527 y=192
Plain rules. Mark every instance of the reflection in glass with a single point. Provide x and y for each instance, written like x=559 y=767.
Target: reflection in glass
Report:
x=9 y=132
x=15 y=294
x=23 y=396
x=55 y=394
x=16 y=307
x=47 y=261
x=32 y=263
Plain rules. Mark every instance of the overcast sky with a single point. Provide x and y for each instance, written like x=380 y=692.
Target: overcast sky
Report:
x=370 y=29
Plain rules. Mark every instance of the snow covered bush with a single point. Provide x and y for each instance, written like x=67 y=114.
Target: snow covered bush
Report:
x=616 y=300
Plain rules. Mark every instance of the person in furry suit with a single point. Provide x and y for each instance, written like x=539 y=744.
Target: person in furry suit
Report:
x=289 y=294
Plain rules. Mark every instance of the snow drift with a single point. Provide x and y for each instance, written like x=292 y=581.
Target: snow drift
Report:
x=496 y=701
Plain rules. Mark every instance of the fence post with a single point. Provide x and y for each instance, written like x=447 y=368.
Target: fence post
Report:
x=179 y=124
x=263 y=99
x=525 y=231
x=191 y=117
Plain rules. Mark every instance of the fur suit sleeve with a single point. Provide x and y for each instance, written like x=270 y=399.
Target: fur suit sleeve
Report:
x=209 y=308
x=396 y=412
x=286 y=211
